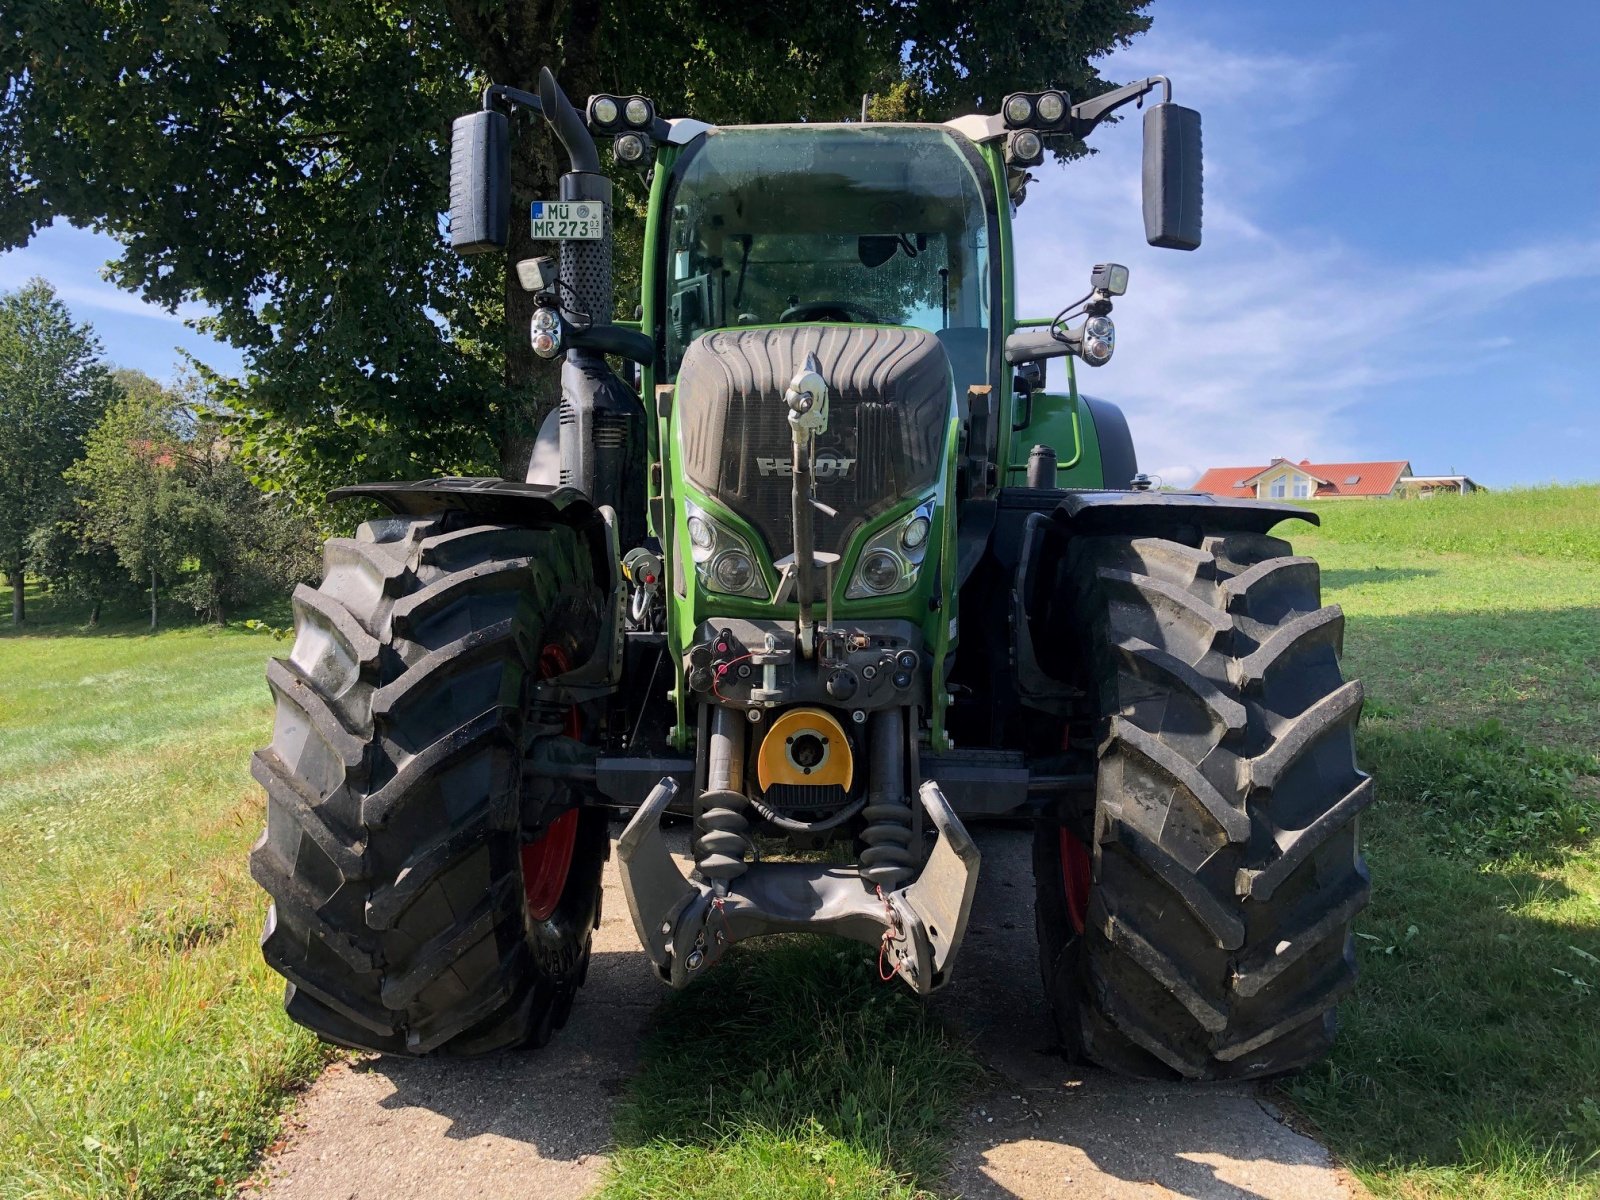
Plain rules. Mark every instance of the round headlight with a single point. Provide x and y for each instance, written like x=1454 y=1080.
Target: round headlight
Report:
x=1018 y=110
x=1100 y=327
x=546 y=320
x=1026 y=146
x=880 y=571
x=1097 y=351
x=700 y=533
x=629 y=148
x=1052 y=106
x=637 y=112
x=915 y=533
x=733 y=571
x=545 y=343
x=605 y=111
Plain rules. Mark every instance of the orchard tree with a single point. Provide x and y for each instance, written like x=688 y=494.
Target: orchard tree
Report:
x=160 y=485
x=74 y=563
x=128 y=478
x=53 y=389
x=285 y=161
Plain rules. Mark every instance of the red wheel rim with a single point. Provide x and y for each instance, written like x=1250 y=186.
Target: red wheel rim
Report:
x=547 y=859
x=1075 y=875
x=545 y=863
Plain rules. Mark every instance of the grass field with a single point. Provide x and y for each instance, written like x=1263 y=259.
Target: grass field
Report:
x=142 y=1051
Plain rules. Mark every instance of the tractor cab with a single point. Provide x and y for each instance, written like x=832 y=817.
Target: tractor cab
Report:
x=865 y=224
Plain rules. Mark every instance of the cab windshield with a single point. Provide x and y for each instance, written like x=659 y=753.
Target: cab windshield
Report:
x=879 y=224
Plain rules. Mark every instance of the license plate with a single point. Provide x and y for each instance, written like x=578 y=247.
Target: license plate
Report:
x=576 y=220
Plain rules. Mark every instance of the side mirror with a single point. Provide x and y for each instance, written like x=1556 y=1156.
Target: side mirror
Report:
x=1172 y=176
x=480 y=182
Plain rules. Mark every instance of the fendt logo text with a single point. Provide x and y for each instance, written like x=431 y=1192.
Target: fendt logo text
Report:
x=828 y=466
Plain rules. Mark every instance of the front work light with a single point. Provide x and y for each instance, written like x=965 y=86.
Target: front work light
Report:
x=1099 y=341
x=629 y=148
x=1024 y=148
x=546 y=332
x=639 y=112
x=1019 y=110
x=1052 y=107
x=603 y=110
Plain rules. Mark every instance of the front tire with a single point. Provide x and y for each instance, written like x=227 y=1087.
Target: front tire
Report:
x=1211 y=938
x=426 y=896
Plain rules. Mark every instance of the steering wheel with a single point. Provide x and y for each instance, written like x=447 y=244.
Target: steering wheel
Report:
x=837 y=310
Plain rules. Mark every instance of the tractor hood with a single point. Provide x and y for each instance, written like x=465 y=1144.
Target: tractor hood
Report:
x=890 y=397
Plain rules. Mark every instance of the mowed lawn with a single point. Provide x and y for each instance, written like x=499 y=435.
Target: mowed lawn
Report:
x=142 y=1048
x=142 y=1051
x=1469 y=1058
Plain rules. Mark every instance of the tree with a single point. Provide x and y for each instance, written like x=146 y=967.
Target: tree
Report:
x=74 y=563
x=162 y=487
x=286 y=162
x=132 y=494
x=53 y=388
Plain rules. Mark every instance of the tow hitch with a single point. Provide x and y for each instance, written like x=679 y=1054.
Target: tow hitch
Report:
x=685 y=925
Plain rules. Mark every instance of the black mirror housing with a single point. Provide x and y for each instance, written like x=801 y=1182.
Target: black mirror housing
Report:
x=1172 y=176
x=480 y=182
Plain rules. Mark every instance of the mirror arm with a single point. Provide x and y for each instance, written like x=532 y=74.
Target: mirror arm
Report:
x=1087 y=115
x=513 y=96
x=1036 y=345
x=552 y=104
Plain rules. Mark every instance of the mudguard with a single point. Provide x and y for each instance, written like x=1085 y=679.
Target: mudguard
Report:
x=535 y=506
x=1040 y=676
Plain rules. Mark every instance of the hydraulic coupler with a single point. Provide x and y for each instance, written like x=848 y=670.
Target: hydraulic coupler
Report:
x=687 y=924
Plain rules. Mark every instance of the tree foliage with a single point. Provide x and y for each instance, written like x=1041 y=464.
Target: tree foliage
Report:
x=285 y=161
x=53 y=388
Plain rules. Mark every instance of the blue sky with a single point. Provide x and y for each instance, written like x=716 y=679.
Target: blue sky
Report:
x=1402 y=243
x=1402 y=252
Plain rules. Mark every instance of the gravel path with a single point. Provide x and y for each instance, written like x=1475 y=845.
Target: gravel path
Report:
x=537 y=1124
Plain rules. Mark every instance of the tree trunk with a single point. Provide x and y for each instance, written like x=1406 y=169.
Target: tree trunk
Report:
x=94 y=614
x=18 y=606
x=152 y=599
x=533 y=385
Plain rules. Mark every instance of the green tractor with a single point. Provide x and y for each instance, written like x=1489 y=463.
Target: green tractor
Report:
x=811 y=557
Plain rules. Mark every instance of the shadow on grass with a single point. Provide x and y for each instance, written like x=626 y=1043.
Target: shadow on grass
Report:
x=1343 y=577
x=50 y=615
x=1470 y=1053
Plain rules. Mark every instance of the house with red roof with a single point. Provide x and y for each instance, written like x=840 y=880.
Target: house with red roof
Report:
x=1305 y=480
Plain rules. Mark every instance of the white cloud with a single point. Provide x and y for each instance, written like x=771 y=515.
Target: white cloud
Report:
x=1254 y=345
x=80 y=288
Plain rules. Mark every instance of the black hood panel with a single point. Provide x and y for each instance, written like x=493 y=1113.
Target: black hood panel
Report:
x=889 y=407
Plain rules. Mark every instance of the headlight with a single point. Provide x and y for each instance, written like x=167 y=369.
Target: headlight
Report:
x=638 y=112
x=605 y=110
x=892 y=558
x=880 y=572
x=1052 y=106
x=1018 y=110
x=722 y=558
x=733 y=572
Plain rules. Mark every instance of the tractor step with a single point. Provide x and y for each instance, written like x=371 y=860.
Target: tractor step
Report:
x=685 y=926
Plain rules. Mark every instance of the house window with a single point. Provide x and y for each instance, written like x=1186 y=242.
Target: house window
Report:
x=1302 y=487
x=1279 y=486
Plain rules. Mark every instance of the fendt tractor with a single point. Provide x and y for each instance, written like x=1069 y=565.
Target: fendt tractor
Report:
x=810 y=560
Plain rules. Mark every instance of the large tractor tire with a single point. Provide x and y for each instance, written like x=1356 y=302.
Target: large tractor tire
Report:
x=1200 y=925
x=426 y=896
